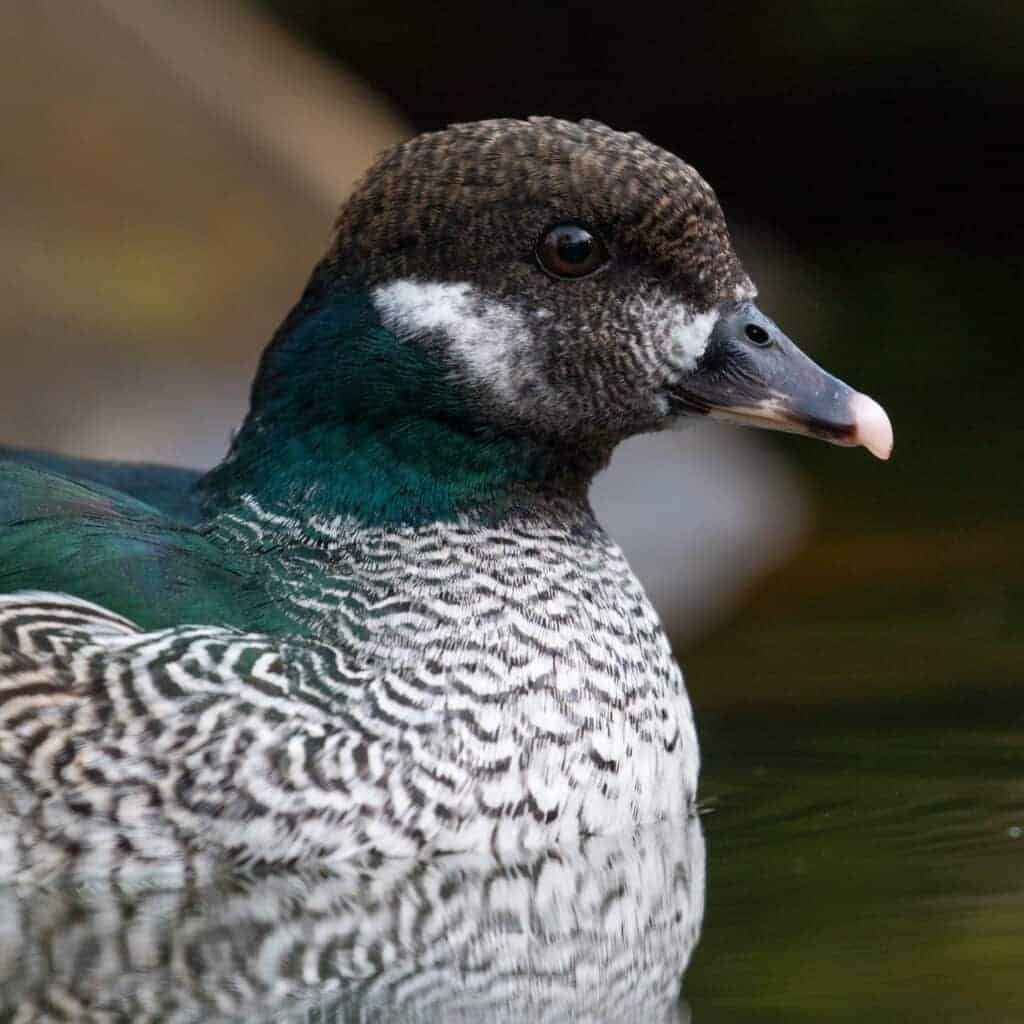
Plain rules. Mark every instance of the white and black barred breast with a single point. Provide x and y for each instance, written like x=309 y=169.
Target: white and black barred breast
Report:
x=458 y=687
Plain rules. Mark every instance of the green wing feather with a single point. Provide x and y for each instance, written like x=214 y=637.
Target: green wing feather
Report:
x=170 y=489
x=85 y=538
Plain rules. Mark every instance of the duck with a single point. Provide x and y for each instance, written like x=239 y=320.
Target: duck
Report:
x=388 y=621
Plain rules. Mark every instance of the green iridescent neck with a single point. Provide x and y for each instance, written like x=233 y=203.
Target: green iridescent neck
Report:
x=346 y=419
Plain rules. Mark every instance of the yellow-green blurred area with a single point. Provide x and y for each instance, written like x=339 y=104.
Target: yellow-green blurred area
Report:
x=168 y=176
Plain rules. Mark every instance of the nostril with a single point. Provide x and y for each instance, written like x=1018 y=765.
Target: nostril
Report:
x=757 y=334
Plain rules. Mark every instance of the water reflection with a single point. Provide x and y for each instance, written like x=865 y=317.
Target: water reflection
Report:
x=601 y=932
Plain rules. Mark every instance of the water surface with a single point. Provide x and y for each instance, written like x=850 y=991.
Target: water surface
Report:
x=865 y=862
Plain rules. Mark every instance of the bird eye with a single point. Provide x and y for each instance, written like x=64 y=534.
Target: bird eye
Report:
x=570 y=251
x=758 y=335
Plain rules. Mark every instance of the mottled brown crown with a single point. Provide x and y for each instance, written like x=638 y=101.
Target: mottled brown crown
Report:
x=446 y=202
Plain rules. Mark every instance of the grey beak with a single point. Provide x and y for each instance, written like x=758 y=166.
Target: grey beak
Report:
x=752 y=374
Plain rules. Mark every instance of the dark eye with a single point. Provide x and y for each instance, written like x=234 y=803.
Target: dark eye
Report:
x=757 y=334
x=570 y=250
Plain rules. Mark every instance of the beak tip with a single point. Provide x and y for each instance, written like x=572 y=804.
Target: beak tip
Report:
x=872 y=427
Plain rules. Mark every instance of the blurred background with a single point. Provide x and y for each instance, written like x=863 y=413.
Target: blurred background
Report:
x=170 y=172
x=852 y=631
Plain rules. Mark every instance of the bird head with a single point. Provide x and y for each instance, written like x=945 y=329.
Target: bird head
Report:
x=507 y=300
x=580 y=284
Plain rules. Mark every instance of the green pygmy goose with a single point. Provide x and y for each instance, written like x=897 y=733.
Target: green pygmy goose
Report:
x=388 y=620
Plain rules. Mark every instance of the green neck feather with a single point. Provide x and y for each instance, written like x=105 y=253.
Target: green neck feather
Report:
x=346 y=419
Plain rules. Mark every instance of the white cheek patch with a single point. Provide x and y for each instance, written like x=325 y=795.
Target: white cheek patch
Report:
x=745 y=292
x=689 y=334
x=485 y=338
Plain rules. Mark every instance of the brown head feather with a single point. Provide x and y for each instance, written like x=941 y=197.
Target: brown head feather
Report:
x=437 y=200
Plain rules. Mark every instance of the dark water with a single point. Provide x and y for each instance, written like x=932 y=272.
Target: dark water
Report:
x=865 y=863
x=865 y=825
